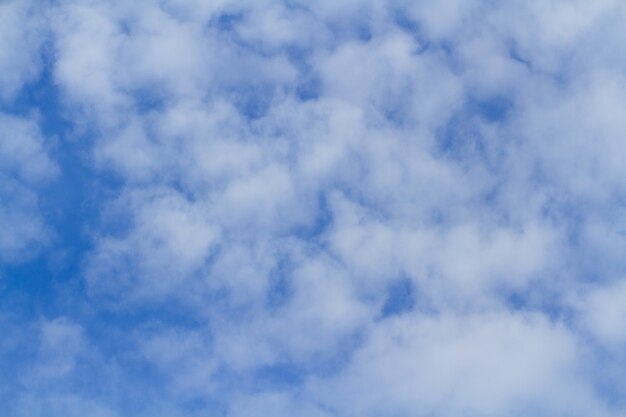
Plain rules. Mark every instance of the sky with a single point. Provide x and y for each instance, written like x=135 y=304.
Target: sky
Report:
x=355 y=208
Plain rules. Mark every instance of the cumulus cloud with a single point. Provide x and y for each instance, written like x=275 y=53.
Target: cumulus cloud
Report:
x=21 y=36
x=24 y=166
x=322 y=209
x=477 y=365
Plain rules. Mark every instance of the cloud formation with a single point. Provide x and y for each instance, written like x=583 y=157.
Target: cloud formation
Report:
x=355 y=208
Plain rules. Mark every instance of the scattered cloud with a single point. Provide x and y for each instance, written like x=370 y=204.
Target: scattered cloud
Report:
x=312 y=209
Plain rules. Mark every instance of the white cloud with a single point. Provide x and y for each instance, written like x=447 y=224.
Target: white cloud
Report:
x=170 y=241
x=478 y=365
x=275 y=404
x=603 y=314
x=46 y=369
x=22 y=32
x=24 y=166
x=22 y=151
x=282 y=165
x=336 y=197
x=24 y=231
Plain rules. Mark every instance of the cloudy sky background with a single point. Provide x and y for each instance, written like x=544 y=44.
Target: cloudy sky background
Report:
x=312 y=209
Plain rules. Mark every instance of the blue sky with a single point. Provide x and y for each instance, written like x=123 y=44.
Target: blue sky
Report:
x=312 y=209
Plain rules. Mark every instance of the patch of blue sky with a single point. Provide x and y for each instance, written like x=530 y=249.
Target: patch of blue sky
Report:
x=150 y=99
x=255 y=100
x=400 y=298
x=415 y=29
x=228 y=21
x=539 y=299
x=67 y=204
x=319 y=223
x=461 y=137
x=277 y=376
x=308 y=83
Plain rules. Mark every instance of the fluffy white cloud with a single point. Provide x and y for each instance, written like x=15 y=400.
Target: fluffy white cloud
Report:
x=169 y=243
x=268 y=172
x=24 y=166
x=47 y=362
x=477 y=365
x=21 y=36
